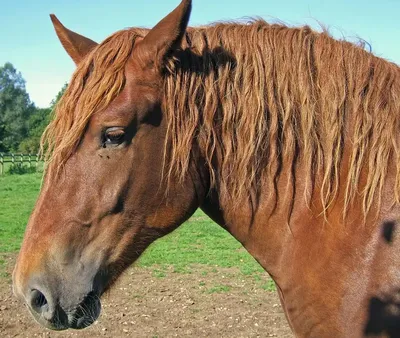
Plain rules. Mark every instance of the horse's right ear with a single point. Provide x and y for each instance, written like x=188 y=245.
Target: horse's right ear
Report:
x=166 y=36
x=77 y=46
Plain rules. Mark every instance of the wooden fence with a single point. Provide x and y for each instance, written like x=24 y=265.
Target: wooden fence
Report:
x=31 y=160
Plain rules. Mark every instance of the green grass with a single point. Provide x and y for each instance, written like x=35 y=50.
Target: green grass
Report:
x=18 y=194
x=7 y=166
x=219 y=289
x=197 y=242
x=269 y=286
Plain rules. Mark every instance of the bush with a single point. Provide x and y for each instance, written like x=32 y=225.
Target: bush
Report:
x=20 y=169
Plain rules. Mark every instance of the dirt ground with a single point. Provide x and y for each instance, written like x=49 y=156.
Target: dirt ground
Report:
x=208 y=302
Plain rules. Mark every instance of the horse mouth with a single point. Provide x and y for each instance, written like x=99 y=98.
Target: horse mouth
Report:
x=83 y=316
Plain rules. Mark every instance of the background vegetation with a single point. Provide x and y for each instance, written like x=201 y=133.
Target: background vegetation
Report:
x=21 y=122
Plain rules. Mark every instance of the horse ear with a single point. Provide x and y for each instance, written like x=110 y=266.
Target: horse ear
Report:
x=167 y=35
x=77 y=46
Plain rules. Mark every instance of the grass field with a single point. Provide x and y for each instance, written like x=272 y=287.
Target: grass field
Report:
x=197 y=242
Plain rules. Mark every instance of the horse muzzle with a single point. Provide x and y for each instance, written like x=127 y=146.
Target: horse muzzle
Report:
x=50 y=312
x=58 y=304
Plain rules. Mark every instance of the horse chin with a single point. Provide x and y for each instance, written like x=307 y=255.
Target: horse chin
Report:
x=55 y=326
x=49 y=325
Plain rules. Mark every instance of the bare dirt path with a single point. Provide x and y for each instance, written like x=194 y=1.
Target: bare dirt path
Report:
x=208 y=302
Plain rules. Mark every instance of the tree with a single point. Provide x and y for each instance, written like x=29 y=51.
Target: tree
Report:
x=15 y=108
x=37 y=123
x=21 y=123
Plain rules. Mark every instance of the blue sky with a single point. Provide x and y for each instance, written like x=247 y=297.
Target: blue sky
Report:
x=27 y=38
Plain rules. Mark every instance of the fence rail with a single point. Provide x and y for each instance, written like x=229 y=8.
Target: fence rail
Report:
x=14 y=159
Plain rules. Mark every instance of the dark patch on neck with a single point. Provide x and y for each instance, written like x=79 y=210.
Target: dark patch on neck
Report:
x=388 y=229
x=384 y=316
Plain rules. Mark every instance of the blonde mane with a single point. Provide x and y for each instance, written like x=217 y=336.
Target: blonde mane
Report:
x=257 y=97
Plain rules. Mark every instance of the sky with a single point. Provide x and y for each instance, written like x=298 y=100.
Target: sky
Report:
x=28 y=40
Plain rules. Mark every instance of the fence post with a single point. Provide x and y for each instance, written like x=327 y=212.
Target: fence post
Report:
x=18 y=158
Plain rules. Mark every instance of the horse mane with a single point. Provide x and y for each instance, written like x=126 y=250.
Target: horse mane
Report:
x=258 y=99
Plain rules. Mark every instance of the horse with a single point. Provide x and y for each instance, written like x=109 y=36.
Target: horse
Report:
x=284 y=136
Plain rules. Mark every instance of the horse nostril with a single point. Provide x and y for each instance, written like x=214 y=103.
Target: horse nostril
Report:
x=46 y=310
x=38 y=301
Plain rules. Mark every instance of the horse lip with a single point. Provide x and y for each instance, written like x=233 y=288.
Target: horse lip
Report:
x=48 y=324
x=86 y=313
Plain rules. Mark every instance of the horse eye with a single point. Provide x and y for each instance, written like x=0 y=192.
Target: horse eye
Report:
x=113 y=136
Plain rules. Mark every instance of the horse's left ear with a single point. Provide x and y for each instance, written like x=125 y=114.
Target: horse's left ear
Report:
x=76 y=45
x=167 y=35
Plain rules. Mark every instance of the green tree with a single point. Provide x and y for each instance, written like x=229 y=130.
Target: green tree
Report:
x=15 y=108
x=37 y=123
